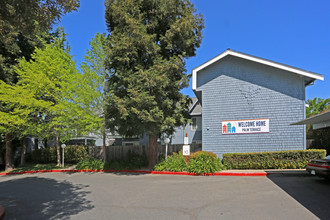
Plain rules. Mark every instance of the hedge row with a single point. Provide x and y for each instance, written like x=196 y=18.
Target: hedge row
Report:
x=294 y=159
x=72 y=154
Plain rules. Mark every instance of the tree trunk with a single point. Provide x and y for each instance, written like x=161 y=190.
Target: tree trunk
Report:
x=104 y=120
x=9 y=153
x=152 y=151
x=36 y=143
x=45 y=143
x=58 y=151
x=25 y=142
x=104 y=147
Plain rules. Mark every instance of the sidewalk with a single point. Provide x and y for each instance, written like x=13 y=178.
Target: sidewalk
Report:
x=267 y=172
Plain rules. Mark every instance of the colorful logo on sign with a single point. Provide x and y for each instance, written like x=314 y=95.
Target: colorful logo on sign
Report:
x=228 y=128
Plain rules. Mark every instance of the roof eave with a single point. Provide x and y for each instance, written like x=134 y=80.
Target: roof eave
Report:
x=325 y=116
x=298 y=71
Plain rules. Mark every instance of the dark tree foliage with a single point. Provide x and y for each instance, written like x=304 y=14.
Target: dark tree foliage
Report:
x=148 y=43
x=23 y=23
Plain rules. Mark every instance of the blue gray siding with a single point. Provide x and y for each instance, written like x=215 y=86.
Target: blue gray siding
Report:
x=180 y=132
x=238 y=89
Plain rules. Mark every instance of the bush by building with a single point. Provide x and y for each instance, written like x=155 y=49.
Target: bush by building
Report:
x=174 y=163
x=293 y=159
x=203 y=162
x=200 y=162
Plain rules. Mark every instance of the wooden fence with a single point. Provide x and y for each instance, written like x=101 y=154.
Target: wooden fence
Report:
x=121 y=152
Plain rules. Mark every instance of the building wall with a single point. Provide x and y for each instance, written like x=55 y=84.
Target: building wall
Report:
x=237 y=89
x=195 y=136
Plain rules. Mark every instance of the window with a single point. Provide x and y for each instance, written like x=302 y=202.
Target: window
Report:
x=196 y=124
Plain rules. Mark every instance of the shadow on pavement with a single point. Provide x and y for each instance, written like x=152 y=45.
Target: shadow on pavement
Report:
x=123 y=173
x=311 y=192
x=118 y=173
x=288 y=172
x=42 y=198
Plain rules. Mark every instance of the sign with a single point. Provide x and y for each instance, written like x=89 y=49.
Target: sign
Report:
x=249 y=126
x=186 y=150
x=186 y=141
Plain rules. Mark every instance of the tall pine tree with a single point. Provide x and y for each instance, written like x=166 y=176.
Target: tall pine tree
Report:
x=148 y=43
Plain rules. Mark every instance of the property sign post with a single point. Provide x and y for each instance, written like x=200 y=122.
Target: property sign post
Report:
x=186 y=140
x=166 y=141
x=186 y=147
x=186 y=150
x=63 y=147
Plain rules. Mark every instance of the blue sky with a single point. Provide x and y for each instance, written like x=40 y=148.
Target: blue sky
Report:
x=295 y=33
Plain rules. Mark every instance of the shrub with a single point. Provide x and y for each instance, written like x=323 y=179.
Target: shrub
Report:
x=203 y=162
x=175 y=163
x=198 y=153
x=90 y=164
x=46 y=155
x=294 y=159
x=120 y=165
x=72 y=154
x=135 y=160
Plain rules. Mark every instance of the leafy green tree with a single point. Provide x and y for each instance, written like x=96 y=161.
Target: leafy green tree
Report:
x=148 y=43
x=94 y=77
x=321 y=137
x=316 y=105
x=23 y=26
x=18 y=107
x=52 y=81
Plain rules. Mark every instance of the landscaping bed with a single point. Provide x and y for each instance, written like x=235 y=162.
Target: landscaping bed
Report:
x=198 y=163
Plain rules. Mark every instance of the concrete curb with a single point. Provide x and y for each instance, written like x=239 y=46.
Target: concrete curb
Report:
x=225 y=173
x=2 y=213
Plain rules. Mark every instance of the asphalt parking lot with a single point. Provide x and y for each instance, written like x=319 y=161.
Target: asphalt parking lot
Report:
x=139 y=196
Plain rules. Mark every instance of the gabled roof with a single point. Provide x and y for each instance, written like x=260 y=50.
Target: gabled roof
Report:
x=195 y=108
x=319 y=118
x=298 y=71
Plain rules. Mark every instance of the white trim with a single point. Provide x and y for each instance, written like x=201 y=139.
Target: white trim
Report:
x=196 y=114
x=194 y=79
x=254 y=59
